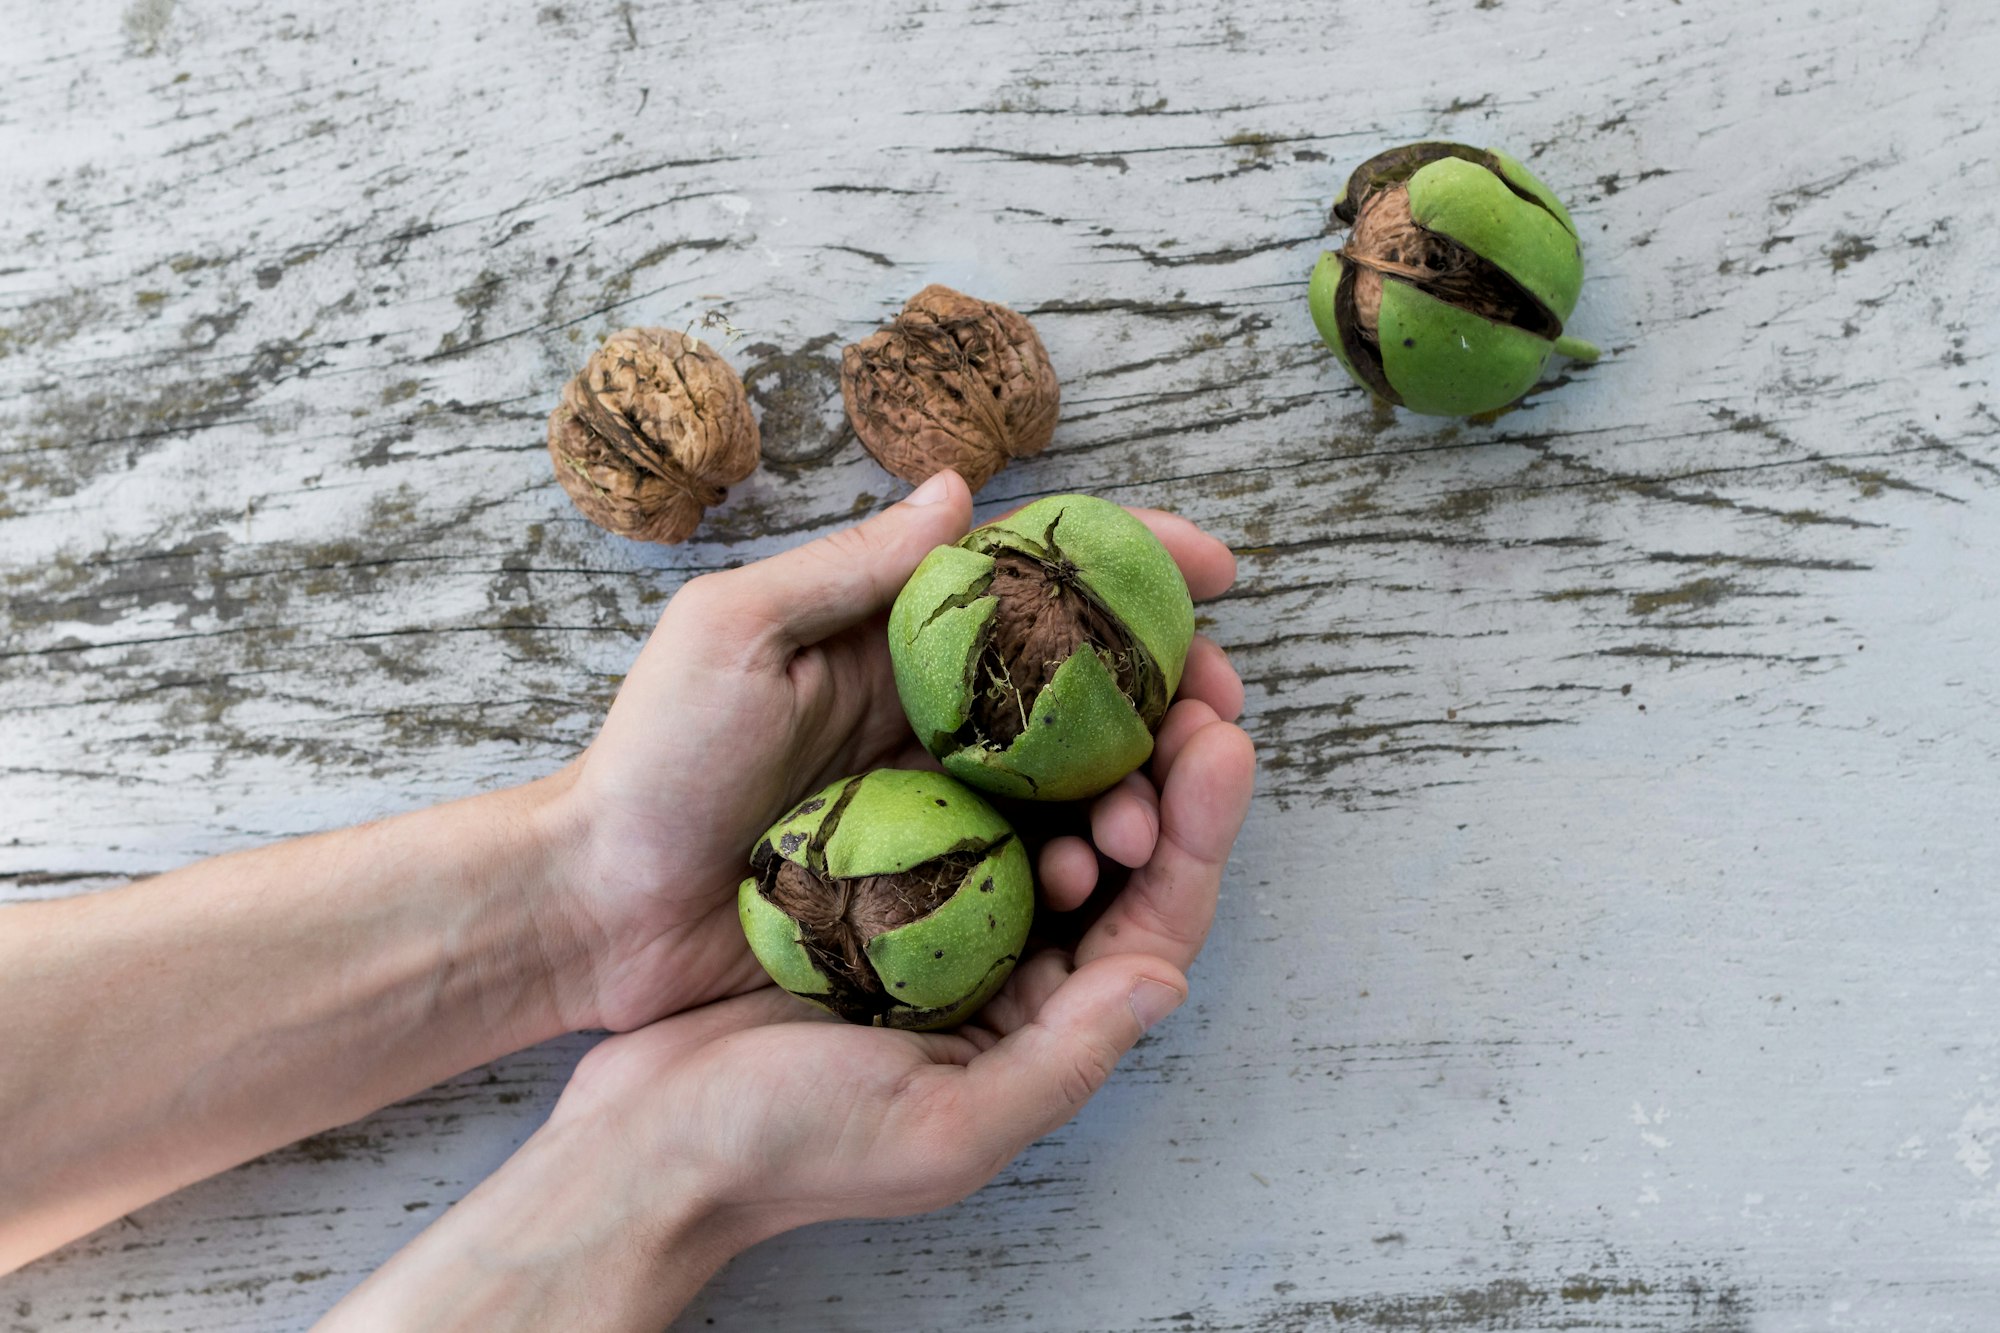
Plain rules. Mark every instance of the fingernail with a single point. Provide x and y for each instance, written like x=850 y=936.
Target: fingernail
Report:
x=1152 y=1001
x=930 y=493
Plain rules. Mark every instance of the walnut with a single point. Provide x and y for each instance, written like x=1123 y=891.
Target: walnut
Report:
x=953 y=382
x=1035 y=657
x=649 y=433
x=897 y=898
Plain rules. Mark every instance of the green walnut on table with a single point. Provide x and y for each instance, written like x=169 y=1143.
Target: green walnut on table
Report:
x=898 y=898
x=1037 y=656
x=1451 y=292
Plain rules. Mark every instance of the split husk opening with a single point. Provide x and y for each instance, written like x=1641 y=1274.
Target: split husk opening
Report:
x=838 y=917
x=1388 y=245
x=1045 y=615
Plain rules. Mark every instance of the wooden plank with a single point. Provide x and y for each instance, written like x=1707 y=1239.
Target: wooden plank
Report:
x=1611 y=945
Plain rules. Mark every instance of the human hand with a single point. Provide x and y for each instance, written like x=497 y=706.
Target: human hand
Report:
x=682 y=1143
x=787 y=1120
x=758 y=687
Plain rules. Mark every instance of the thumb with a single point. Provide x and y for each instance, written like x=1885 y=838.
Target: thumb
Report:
x=843 y=578
x=1043 y=1072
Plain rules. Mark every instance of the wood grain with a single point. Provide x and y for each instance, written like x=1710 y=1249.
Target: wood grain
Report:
x=1612 y=944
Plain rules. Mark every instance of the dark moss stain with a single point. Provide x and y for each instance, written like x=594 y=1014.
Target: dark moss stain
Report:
x=1256 y=147
x=1237 y=487
x=1591 y=1289
x=1460 y=506
x=89 y=427
x=477 y=300
x=801 y=420
x=1693 y=1304
x=619 y=286
x=335 y=1145
x=191 y=578
x=1580 y=594
x=46 y=323
x=1692 y=595
x=1870 y=483
x=1848 y=248
x=1749 y=424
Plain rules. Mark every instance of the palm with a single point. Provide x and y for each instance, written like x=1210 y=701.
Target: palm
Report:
x=798 y=1112
x=682 y=790
x=780 y=1105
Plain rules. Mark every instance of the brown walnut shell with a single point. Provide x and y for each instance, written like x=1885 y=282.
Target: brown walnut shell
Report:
x=650 y=432
x=952 y=382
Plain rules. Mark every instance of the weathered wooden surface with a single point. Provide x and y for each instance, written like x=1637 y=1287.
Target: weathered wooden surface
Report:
x=1613 y=942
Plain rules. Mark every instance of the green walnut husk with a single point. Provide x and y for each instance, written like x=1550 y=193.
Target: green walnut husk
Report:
x=899 y=899
x=1036 y=657
x=1450 y=294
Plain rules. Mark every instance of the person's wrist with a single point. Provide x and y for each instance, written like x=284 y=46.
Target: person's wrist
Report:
x=577 y=1229
x=555 y=846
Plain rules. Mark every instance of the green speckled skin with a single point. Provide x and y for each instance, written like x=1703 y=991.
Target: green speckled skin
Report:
x=936 y=971
x=774 y=938
x=896 y=819
x=984 y=922
x=1436 y=358
x=935 y=649
x=1523 y=179
x=1320 y=294
x=1451 y=362
x=1475 y=208
x=1083 y=734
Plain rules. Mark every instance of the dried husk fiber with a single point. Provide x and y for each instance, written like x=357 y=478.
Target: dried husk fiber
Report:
x=650 y=432
x=952 y=382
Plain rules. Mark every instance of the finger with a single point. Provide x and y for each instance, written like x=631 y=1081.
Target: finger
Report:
x=1033 y=982
x=1125 y=821
x=1183 y=720
x=1167 y=907
x=1208 y=565
x=1041 y=1073
x=1210 y=678
x=807 y=593
x=1068 y=872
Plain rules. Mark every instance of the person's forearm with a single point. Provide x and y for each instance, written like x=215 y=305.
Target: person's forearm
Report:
x=155 y=1034
x=570 y=1233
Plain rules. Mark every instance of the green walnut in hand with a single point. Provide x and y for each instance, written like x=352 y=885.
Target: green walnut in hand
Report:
x=1450 y=294
x=1036 y=657
x=898 y=898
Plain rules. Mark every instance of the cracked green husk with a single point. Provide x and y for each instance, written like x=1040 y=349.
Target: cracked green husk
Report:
x=936 y=971
x=1083 y=732
x=1437 y=356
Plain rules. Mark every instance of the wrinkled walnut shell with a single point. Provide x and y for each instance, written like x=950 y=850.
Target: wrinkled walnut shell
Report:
x=649 y=433
x=952 y=382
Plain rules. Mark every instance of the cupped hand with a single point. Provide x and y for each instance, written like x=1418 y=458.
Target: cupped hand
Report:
x=759 y=686
x=786 y=1120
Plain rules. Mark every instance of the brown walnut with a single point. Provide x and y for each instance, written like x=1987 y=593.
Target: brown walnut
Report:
x=952 y=382
x=838 y=917
x=649 y=433
x=1043 y=617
